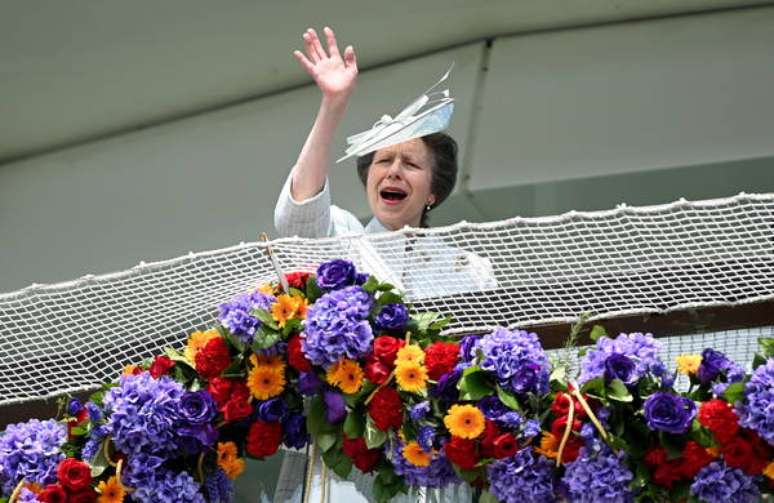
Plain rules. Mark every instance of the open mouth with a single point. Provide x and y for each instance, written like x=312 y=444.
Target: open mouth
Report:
x=393 y=195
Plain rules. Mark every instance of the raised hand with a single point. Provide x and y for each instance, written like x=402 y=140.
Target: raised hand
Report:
x=335 y=75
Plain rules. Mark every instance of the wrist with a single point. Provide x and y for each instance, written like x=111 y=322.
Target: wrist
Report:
x=335 y=104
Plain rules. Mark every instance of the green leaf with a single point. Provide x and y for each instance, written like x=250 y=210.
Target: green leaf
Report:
x=326 y=440
x=266 y=318
x=291 y=326
x=559 y=374
x=758 y=360
x=100 y=463
x=618 y=391
x=509 y=399
x=438 y=325
x=385 y=287
x=264 y=338
x=339 y=462
x=313 y=291
x=296 y=292
x=371 y=284
x=734 y=392
x=315 y=420
x=487 y=497
x=389 y=298
x=597 y=331
x=354 y=425
x=374 y=437
x=475 y=385
x=424 y=320
x=671 y=445
x=767 y=345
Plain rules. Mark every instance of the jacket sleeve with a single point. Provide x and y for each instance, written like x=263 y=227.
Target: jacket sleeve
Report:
x=309 y=219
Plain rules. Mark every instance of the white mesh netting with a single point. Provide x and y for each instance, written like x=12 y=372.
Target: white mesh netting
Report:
x=72 y=336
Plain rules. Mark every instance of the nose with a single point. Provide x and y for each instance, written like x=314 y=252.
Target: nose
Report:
x=394 y=170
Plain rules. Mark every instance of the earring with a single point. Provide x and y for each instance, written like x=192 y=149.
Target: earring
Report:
x=428 y=208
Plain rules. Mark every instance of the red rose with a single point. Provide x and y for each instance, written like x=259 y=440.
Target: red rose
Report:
x=238 y=405
x=559 y=425
x=161 y=366
x=491 y=432
x=353 y=446
x=74 y=475
x=462 y=452
x=739 y=453
x=386 y=349
x=505 y=446
x=297 y=279
x=695 y=457
x=263 y=439
x=441 y=358
x=220 y=389
x=561 y=406
x=296 y=357
x=363 y=458
x=376 y=371
x=213 y=358
x=386 y=409
x=52 y=493
x=87 y=495
x=719 y=418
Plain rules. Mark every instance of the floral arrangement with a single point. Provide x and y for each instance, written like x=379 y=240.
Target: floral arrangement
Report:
x=339 y=361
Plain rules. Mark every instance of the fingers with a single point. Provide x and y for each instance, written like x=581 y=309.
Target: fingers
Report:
x=311 y=51
x=315 y=40
x=308 y=66
x=350 y=59
x=333 y=49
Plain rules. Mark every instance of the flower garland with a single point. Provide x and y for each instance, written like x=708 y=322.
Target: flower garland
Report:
x=340 y=360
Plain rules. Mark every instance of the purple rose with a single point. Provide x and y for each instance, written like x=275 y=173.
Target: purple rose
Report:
x=621 y=367
x=195 y=438
x=294 y=431
x=309 y=383
x=361 y=278
x=468 y=348
x=74 y=407
x=197 y=407
x=446 y=388
x=271 y=410
x=336 y=274
x=335 y=407
x=526 y=377
x=712 y=364
x=669 y=413
x=392 y=317
x=492 y=407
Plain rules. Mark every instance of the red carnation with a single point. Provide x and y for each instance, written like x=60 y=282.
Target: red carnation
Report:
x=462 y=452
x=505 y=446
x=52 y=493
x=296 y=357
x=213 y=358
x=491 y=432
x=375 y=370
x=739 y=453
x=572 y=449
x=695 y=457
x=220 y=389
x=561 y=406
x=297 y=279
x=161 y=366
x=560 y=423
x=655 y=456
x=441 y=358
x=263 y=439
x=386 y=409
x=665 y=475
x=719 y=418
x=386 y=349
x=74 y=475
x=87 y=495
x=238 y=405
x=364 y=459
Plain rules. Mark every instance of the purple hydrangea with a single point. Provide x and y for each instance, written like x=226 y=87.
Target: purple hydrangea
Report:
x=166 y=486
x=219 y=487
x=598 y=477
x=141 y=469
x=27 y=496
x=438 y=474
x=237 y=315
x=468 y=349
x=426 y=438
x=718 y=483
x=640 y=349
x=523 y=477
x=141 y=405
x=756 y=411
x=30 y=451
x=517 y=358
x=337 y=327
x=392 y=317
x=531 y=428
x=335 y=274
x=669 y=413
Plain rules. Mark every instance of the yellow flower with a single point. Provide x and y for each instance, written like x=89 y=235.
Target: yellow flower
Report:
x=273 y=362
x=769 y=471
x=688 y=364
x=111 y=491
x=415 y=455
x=197 y=341
x=265 y=382
x=129 y=369
x=266 y=288
x=411 y=377
x=464 y=421
x=228 y=461
x=410 y=353
x=288 y=307
x=346 y=374
x=549 y=445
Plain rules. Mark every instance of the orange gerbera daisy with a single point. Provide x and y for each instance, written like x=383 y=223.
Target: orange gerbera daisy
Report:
x=228 y=461
x=410 y=353
x=111 y=491
x=411 y=377
x=197 y=341
x=549 y=445
x=415 y=455
x=273 y=362
x=265 y=382
x=346 y=374
x=465 y=421
x=288 y=307
x=769 y=471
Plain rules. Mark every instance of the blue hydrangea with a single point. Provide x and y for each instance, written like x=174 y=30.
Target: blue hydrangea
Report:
x=30 y=451
x=517 y=358
x=94 y=442
x=166 y=486
x=437 y=475
x=337 y=326
x=598 y=477
x=219 y=488
x=641 y=349
x=144 y=414
x=521 y=478
x=237 y=315
x=27 y=496
x=756 y=411
x=718 y=483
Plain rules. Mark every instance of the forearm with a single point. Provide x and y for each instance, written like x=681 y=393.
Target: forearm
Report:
x=312 y=165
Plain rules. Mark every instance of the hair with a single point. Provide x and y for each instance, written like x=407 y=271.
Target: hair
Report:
x=444 y=169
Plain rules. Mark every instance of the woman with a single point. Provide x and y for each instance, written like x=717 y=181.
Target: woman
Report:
x=403 y=183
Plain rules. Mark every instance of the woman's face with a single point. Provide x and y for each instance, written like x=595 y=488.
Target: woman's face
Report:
x=399 y=183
